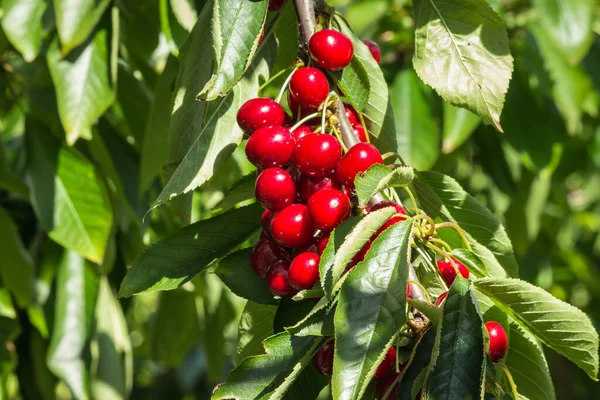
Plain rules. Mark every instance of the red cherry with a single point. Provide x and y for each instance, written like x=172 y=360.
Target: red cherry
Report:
x=301 y=131
x=358 y=159
x=304 y=271
x=360 y=132
x=317 y=154
x=328 y=208
x=308 y=88
x=322 y=243
x=315 y=245
x=331 y=49
x=291 y=227
x=383 y=204
x=384 y=384
x=440 y=299
x=498 y=341
x=275 y=5
x=259 y=112
x=374 y=49
x=392 y=221
x=271 y=146
x=265 y=254
x=448 y=272
x=275 y=189
x=309 y=185
x=351 y=114
x=408 y=291
x=278 y=279
x=388 y=365
x=323 y=358
x=265 y=220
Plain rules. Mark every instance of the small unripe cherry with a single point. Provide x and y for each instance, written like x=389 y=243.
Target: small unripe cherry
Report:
x=275 y=5
x=265 y=254
x=360 y=132
x=323 y=358
x=271 y=146
x=384 y=384
x=498 y=341
x=440 y=299
x=275 y=189
x=317 y=154
x=259 y=112
x=331 y=50
x=328 y=208
x=308 y=185
x=304 y=270
x=278 y=279
x=300 y=132
x=388 y=365
x=308 y=88
x=374 y=49
x=448 y=272
x=291 y=227
x=399 y=209
x=357 y=160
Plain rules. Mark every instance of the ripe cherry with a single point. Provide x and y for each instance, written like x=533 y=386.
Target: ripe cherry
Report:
x=399 y=209
x=448 y=272
x=440 y=299
x=265 y=254
x=259 y=112
x=308 y=88
x=291 y=227
x=304 y=271
x=265 y=220
x=275 y=5
x=275 y=189
x=360 y=132
x=388 y=365
x=328 y=208
x=308 y=185
x=278 y=279
x=332 y=50
x=351 y=114
x=317 y=154
x=498 y=341
x=323 y=358
x=374 y=49
x=384 y=384
x=271 y=146
x=322 y=242
x=301 y=131
x=358 y=159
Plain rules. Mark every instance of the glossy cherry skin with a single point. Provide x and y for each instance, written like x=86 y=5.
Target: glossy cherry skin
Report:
x=399 y=209
x=278 y=279
x=374 y=49
x=301 y=131
x=317 y=154
x=304 y=270
x=259 y=112
x=440 y=299
x=357 y=160
x=388 y=365
x=328 y=208
x=360 y=132
x=384 y=384
x=308 y=185
x=323 y=358
x=265 y=220
x=498 y=341
x=315 y=245
x=308 y=88
x=448 y=272
x=275 y=5
x=351 y=114
x=275 y=189
x=271 y=146
x=264 y=255
x=331 y=50
x=291 y=227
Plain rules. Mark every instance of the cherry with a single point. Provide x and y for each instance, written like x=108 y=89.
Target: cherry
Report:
x=374 y=49
x=384 y=384
x=264 y=235
x=351 y=114
x=265 y=220
x=275 y=189
x=331 y=49
x=278 y=279
x=323 y=358
x=275 y=5
x=408 y=291
x=498 y=341
x=360 y=132
x=265 y=254
x=388 y=365
x=358 y=159
x=291 y=227
x=308 y=185
x=308 y=88
x=270 y=146
x=301 y=131
x=322 y=243
x=328 y=208
x=259 y=112
x=304 y=271
x=383 y=204
x=440 y=299
x=448 y=272
x=317 y=154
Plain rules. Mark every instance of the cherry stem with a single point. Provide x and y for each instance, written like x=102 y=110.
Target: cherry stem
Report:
x=513 y=386
x=412 y=281
x=412 y=197
x=442 y=243
x=303 y=120
x=445 y=255
x=286 y=83
x=458 y=229
x=271 y=79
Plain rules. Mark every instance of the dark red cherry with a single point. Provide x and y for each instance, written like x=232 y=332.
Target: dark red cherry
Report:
x=291 y=227
x=323 y=358
x=384 y=384
x=388 y=365
x=259 y=112
x=301 y=131
x=275 y=189
x=448 y=272
x=265 y=254
x=304 y=271
x=498 y=341
x=317 y=154
x=275 y=5
x=440 y=299
x=351 y=114
x=357 y=160
x=315 y=245
x=308 y=88
x=271 y=146
x=331 y=50
x=322 y=242
x=278 y=279
x=328 y=208
x=308 y=185
x=374 y=49
x=399 y=209
x=360 y=132
x=265 y=220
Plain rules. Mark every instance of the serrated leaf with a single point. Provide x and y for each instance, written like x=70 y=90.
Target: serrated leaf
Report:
x=316 y=323
x=173 y=261
x=459 y=124
x=379 y=177
x=236 y=30
x=75 y=20
x=371 y=311
x=353 y=81
x=460 y=364
x=242 y=191
x=471 y=261
x=418 y=362
x=235 y=272
x=462 y=51
x=557 y=324
x=81 y=80
x=185 y=13
x=256 y=324
x=22 y=24
x=308 y=385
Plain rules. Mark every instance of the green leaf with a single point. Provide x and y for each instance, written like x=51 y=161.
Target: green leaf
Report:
x=471 y=261
x=75 y=20
x=242 y=191
x=417 y=131
x=459 y=124
x=558 y=325
x=317 y=322
x=431 y=311
x=379 y=177
x=371 y=311
x=412 y=379
x=308 y=385
x=135 y=99
x=76 y=294
x=83 y=90
x=353 y=81
x=22 y=24
x=462 y=51
x=442 y=198
x=255 y=326
x=236 y=272
x=16 y=269
x=236 y=30
x=173 y=261
x=459 y=367
x=185 y=13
